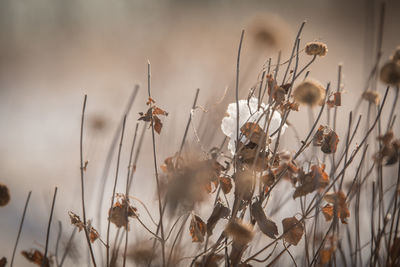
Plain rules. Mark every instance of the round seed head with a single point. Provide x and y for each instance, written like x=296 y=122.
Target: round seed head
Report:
x=4 y=195
x=396 y=55
x=390 y=73
x=309 y=93
x=316 y=49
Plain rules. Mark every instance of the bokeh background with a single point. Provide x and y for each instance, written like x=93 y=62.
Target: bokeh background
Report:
x=54 y=52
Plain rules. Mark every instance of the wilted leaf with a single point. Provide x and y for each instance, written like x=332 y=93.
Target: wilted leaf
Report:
x=311 y=181
x=226 y=184
x=253 y=132
x=266 y=225
x=325 y=256
x=327 y=139
x=121 y=211
x=4 y=195
x=76 y=220
x=239 y=231
x=220 y=211
x=36 y=257
x=93 y=234
x=159 y=111
x=146 y=117
x=339 y=201
x=293 y=230
x=157 y=124
x=336 y=101
x=197 y=229
x=3 y=262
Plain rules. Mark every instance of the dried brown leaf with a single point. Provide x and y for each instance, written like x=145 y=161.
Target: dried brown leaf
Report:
x=226 y=184
x=253 y=132
x=197 y=229
x=121 y=211
x=36 y=257
x=317 y=178
x=266 y=225
x=293 y=230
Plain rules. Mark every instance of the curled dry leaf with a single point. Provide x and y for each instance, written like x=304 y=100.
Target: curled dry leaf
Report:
x=253 y=132
x=327 y=139
x=152 y=114
x=219 y=212
x=266 y=225
x=4 y=195
x=240 y=232
x=226 y=184
x=328 y=250
x=76 y=220
x=36 y=257
x=338 y=201
x=292 y=230
x=335 y=100
x=389 y=153
x=3 y=262
x=197 y=229
x=121 y=211
x=93 y=234
x=317 y=178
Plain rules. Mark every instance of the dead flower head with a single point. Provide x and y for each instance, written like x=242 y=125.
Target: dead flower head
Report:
x=239 y=231
x=4 y=195
x=390 y=73
x=316 y=49
x=309 y=92
x=372 y=96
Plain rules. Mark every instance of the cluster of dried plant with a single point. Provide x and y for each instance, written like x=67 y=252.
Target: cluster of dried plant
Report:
x=328 y=178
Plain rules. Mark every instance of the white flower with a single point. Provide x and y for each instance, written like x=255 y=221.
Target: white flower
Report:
x=248 y=113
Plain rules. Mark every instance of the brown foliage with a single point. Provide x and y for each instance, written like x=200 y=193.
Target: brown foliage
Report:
x=317 y=178
x=197 y=229
x=293 y=230
x=36 y=257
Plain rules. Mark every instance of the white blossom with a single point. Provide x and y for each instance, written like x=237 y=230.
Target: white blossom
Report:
x=248 y=112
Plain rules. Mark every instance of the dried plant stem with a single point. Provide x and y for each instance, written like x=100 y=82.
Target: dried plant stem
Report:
x=110 y=153
x=58 y=241
x=237 y=95
x=160 y=207
x=20 y=227
x=113 y=194
x=130 y=169
x=82 y=170
x=68 y=247
x=48 y=229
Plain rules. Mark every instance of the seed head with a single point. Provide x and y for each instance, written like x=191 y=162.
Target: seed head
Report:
x=316 y=49
x=396 y=55
x=239 y=231
x=309 y=93
x=371 y=96
x=390 y=73
x=4 y=195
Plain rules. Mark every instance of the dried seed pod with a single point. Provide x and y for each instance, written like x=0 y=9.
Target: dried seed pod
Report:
x=316 y=49
x=390 y=73
x=4 y=195
x=372 y=96
x=240 y=232
x=309 y=93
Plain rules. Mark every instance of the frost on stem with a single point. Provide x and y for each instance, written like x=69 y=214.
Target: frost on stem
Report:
x=249 y=112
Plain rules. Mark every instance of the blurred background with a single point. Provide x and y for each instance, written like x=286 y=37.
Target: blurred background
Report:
x=54 y=52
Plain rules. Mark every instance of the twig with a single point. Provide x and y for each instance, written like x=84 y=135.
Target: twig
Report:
x=20 y=227
x=82 y=169
x=48 y=229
